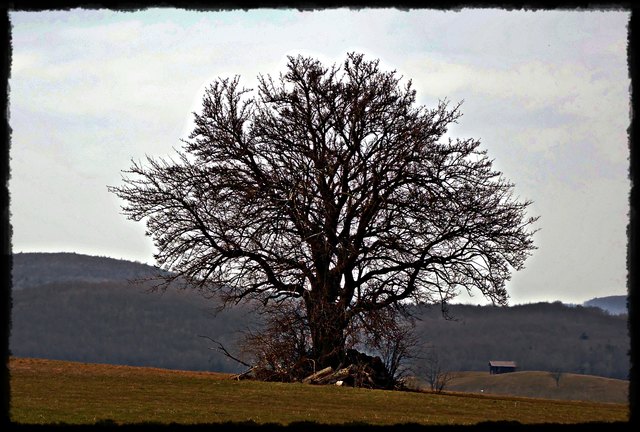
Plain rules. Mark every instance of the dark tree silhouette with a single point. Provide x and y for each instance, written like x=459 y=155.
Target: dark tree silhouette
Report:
x=330 y=187
x=556 y=374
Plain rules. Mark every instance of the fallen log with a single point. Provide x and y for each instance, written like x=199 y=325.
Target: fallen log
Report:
x=337 y=376
x=318 y=375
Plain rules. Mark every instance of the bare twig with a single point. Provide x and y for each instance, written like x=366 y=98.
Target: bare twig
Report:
x=225 y=352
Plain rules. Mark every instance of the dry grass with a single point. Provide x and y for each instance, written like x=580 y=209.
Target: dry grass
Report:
x=542 y=385
x=48 y=391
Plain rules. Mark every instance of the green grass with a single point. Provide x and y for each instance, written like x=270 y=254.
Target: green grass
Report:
x=49 y=391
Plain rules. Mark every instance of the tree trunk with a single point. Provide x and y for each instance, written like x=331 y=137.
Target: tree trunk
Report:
x=327 y=325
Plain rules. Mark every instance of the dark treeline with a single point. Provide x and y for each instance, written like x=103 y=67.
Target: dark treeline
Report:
x=118 y=323
x=539 y=336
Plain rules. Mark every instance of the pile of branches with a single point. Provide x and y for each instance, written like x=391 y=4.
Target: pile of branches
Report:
x=358 y=370
x=362 y=371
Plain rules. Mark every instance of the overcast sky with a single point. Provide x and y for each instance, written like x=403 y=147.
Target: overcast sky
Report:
x=546 y=92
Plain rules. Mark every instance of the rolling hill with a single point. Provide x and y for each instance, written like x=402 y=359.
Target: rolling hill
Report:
x=37 y=269
x=538 y=384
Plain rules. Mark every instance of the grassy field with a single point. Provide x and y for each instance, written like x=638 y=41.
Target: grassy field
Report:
x=50 y=391
x=538 y=384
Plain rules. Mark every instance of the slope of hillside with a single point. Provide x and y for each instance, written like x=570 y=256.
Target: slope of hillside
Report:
x=35 y=269
x=540 y=384
x=615 y=305
x=137 y=395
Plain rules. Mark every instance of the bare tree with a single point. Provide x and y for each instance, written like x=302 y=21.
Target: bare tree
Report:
x=388 y=333
x=556 y=374
x=331 y=189
x=279 y=350
x=435 y=373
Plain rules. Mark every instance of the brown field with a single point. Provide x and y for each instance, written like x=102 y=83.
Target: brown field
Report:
x=50 y=391
x=537 y=384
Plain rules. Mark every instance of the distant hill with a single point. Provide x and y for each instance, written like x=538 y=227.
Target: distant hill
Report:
x=35 y=269
x=615 y=305
x=537 y=336
x=74 y=307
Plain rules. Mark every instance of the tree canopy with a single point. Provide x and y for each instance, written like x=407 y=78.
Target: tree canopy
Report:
x=330 y=189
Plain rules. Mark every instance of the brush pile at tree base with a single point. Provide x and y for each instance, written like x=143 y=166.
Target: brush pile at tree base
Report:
x=357 y=370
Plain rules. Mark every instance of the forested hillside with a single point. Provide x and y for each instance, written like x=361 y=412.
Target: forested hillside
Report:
x=36 y=269
x=114 y=322
x=111 y=321
x=540 y=336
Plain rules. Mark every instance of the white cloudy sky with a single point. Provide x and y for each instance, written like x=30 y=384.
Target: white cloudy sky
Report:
x=547 y=92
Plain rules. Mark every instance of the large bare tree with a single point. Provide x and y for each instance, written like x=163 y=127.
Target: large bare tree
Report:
x=330 y=187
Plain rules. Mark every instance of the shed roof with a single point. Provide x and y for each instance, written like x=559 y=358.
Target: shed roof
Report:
x=501 y=363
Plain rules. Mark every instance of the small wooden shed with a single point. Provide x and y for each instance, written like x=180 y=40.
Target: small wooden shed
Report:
x=500 y=366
